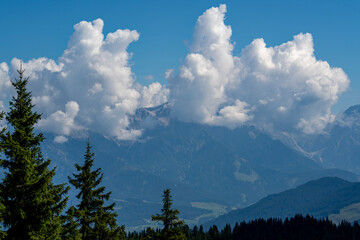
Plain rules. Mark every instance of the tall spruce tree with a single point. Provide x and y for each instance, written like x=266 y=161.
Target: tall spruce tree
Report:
x=96 y=220
x=171 y=223
x=2 y=207
x=70 y=228
x=33 y=203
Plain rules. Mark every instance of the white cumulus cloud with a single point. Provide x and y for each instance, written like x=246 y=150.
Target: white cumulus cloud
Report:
x=281 y=88
x=4 y=83
x=198 y=92
x=297 y=89
x=91 y=86
x=61 y=123
x=153 y=95
x=93 y=81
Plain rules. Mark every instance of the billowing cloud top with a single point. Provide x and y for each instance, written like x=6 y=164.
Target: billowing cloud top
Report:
x=92 y=86
x=282 y=88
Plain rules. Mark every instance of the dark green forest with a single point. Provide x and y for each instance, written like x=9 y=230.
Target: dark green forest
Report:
x=33 y=207
x=296 y=228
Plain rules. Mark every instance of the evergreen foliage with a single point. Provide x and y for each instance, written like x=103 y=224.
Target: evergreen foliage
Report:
x=96 y=220
x=171 y=223
x=33 y=203
x=295 y=228
x=2 y=207
x=70 y=230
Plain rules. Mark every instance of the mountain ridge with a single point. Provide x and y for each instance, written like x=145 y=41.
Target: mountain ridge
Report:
x=200 y=163
x=319 y=198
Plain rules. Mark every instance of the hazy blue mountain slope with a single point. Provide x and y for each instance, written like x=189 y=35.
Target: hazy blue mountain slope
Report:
x=319 y=198
x=201 y=164
x=340 y=146
x=235 y=164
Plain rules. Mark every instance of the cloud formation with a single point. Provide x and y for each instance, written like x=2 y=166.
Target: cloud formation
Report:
x=281 y=88
x=93 y=82
x=62 y=123
x=4 y=83
x=91 y=86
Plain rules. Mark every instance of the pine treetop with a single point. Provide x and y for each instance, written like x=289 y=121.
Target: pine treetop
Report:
x=96 y=220
x=171 y=222
x=33 y=203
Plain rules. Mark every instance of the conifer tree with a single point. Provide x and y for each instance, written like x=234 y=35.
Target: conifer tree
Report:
x=2 y=207
x=171 y=223
x=33 y=203
x=96 y=220
x=2 y=211
x=70 y=228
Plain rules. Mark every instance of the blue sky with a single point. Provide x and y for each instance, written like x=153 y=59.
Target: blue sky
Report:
x=33 y=29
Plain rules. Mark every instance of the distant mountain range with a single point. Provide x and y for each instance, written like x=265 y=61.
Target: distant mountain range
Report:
x=326 y=197
x=211 y=170
x=339 y=146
